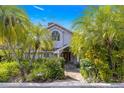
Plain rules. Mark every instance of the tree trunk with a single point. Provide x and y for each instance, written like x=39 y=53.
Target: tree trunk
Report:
x=108 y=43
x=21 y=68
x=35 y=52
x=22 y=71
x=110 y=58
x=29 y=53
x=32 y=59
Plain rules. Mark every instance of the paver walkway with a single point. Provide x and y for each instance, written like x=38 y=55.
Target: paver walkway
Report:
x=73 y=72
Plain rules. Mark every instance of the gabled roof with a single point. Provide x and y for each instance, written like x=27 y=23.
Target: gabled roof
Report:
x=50 y=25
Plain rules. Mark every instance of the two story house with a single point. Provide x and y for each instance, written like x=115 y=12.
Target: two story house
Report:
x=61 y=37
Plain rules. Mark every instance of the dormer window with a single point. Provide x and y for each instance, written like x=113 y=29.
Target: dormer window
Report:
x=55 y=36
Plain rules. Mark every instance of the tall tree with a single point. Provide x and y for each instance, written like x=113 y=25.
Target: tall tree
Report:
x=14 y=25
x=101 y=33
x=41 y=40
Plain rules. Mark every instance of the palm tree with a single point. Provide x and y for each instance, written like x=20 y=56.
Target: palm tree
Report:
x=99 y=27
x=14 y=25
x=41 y=40
x=11 y=17
x=100 y=34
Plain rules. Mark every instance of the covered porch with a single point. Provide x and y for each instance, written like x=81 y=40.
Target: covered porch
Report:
x=66 y=54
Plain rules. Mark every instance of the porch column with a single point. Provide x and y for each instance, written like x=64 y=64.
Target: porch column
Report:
x=58 y=54
x=78 y=59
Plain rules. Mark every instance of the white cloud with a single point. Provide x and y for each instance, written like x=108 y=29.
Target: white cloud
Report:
x=39 y=8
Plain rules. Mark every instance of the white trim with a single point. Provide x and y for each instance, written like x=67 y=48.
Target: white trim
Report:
x=60 y=49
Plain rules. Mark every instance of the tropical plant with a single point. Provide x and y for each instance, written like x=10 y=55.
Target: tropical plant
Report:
x=8 y=70
x=14 y=25
x=18 y=36
x=100 y=34
x=46 y=69
x=41 y=40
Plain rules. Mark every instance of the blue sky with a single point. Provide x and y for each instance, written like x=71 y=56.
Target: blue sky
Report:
x=61 y=14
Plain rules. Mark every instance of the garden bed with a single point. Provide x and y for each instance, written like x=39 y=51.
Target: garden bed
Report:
x=43 y=70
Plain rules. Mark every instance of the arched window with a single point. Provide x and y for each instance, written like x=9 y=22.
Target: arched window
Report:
x=55 y=36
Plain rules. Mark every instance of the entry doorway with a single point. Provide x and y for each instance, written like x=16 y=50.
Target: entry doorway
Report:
x=66 y=56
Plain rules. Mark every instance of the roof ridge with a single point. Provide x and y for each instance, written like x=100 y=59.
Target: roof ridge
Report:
x=51 y=24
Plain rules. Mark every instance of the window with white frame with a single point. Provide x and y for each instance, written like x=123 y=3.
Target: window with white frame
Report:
x=55 y=36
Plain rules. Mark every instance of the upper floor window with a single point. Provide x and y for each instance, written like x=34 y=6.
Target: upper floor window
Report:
x=55 y=36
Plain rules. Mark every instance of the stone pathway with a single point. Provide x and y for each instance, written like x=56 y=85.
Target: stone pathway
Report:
x=73 y=73
x=75 y=76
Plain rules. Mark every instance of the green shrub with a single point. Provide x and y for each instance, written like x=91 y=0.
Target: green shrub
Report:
x=96 y=71
x=59 y=60
x=37 y=74
x=87 y=69
x=26 y=66
x=118 y=71
x=8 y=70
x=4 y=75
x=54 y=70
x=47 y=69
x=104 y=73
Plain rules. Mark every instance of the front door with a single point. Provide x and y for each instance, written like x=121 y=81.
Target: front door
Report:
x=66 y=56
